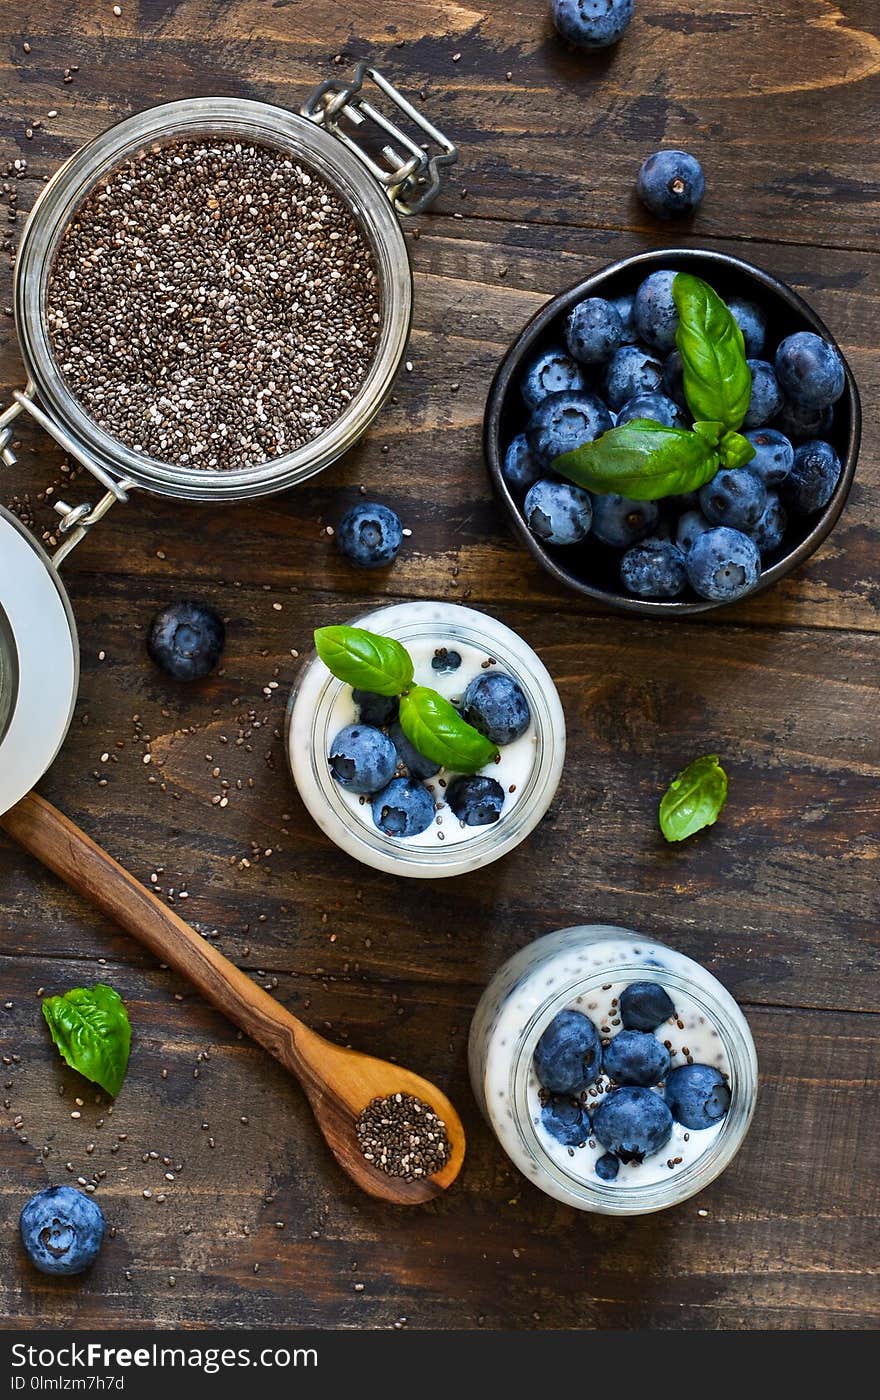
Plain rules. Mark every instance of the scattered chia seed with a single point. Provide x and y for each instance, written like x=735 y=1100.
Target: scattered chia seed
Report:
x=213 y=304
x=402 y=1136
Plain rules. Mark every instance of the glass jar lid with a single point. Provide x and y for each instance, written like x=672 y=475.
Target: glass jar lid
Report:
x=39 y=661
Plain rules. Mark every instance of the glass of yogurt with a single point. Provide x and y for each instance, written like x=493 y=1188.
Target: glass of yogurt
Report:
x=450 y=646
x=587 y=970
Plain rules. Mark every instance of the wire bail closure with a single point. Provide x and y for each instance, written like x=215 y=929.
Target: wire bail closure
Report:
x=411 y=177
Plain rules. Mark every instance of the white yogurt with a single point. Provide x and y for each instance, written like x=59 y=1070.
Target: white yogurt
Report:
x=528 y=769
x=517 y=760
x=587 y=968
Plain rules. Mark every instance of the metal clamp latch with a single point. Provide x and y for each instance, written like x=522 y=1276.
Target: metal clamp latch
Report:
x=411 y=177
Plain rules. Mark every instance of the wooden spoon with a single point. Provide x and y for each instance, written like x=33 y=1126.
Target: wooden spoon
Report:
x=339 y=1083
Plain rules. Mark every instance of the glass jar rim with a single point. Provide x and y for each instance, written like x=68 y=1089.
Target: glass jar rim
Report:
x=268 y=125
x=724 y=1013
x=373 y=847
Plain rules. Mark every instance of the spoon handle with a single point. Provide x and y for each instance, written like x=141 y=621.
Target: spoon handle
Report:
x=59 y=844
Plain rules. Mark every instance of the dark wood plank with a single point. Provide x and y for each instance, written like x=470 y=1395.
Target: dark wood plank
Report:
x=779 y=1241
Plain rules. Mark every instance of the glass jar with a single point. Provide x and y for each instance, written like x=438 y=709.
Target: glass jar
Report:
x=558 y=971
x=313 y=718
x=403 y=181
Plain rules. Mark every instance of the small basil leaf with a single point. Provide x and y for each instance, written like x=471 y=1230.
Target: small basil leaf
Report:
x=439 y=732
x=712 y=432
x=364 y=659
x=91 y=1029
x=643 y=460
x=717 y=378
x=735 y=450
x=694 y=799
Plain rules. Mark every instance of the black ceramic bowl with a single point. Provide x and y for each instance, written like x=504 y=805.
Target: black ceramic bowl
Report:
x=591 y=568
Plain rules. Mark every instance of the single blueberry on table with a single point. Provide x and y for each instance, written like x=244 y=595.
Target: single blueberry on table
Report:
x=766 y=397
x=558 y=513
x=620 y=522
x=752 y=322
x=769 y=532
x=593 y=330
x=632 y=370
x=495 y=704
x=476 y=800
x=671 y=184
x=370 y=535
x=643 y=1006
x=591 y=24
x=655 y=568
x=815 y=472
x=415 y=763
x=658 y=407
x=691 y=524
x=803 y=424
x=624 y=306
x=633 y=1123
x=362 y=758
x=566 y=1121
x=673 y=378
x=445 y=660
x=655 y=311
x=550 y=372
x=774 y=455
x=376 y=710
x=403 y=808
x=723 y=564
x=62 y=1230
x=809 y=370
x=186 y=640
x=697 y=1095
x=607 y=1167
x=563 y=422
x=568 y=1055
x=635 y=1057
x=734 y=497
x=519 y=468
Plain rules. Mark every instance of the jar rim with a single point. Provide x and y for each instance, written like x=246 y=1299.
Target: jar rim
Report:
x=321 y=796
x=265 y=124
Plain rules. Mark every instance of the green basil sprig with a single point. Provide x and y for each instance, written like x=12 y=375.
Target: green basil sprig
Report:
x=646 y=460
x=91 y=1029
x=694 y=799
x=439 y=732
x=642 y=459
x=717 y=378
x=365 y=659
x=383 y=665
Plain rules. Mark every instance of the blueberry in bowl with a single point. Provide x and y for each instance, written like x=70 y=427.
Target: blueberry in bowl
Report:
x=782 y=467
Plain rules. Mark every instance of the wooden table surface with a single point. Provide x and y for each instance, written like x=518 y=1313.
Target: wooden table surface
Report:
x=779 y=900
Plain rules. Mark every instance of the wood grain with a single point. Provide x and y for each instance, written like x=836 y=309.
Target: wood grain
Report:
x=779 y=899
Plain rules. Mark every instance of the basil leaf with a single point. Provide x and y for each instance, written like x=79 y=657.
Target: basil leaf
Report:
x=712 y=432
x=364 y=659
x=439 y=732
x=91 y=1029
x=643 y=460
x=694 y=799
x=717 y=379
x=735 y=450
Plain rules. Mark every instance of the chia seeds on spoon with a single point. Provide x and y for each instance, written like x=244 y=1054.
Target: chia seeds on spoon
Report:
x=402 y=1136
x=214 y=304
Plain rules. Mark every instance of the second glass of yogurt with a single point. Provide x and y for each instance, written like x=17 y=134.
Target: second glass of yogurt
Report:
x=450 y=646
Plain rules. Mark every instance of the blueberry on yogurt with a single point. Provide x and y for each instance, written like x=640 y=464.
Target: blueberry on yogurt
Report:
x=569 y=1053
x=494 y=703
x=644 y=1006
x=566 y=1121
x=697 y=1095
x=607 y=1167
x=416 y=764
x=362 y=758
x=377 y=710
x=445 y=660
x=476 y=800
x=633 y=1123
x=403 y=808
x=635 y=1057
